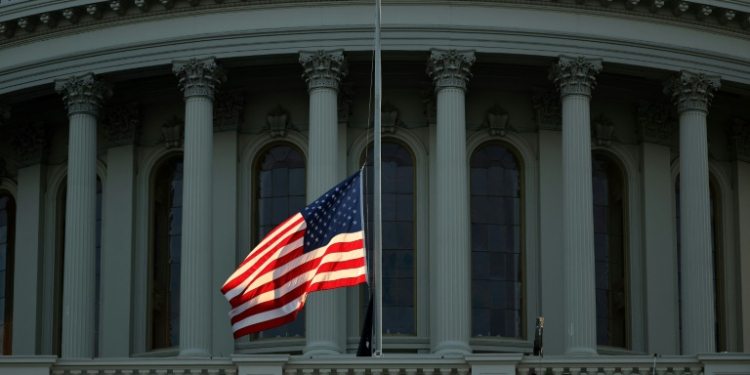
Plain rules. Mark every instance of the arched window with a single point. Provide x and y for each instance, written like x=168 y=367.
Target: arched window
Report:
x=279 y=194
x=496 y=243
x=60 y=264
x=610 y=235
x=166 y=250
x=399 y=255
x=716 y=253
x=7 y=243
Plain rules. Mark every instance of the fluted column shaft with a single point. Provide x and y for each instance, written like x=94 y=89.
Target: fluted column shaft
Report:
x=325 y=311
x=451 y=252
x=575 y=79
x=83 y=97
x=198 y=80
x=692 y=94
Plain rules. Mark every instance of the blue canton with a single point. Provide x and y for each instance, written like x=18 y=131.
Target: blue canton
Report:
x=335 y=212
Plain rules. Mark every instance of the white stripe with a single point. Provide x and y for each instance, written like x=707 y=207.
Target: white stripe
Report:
x=268 y=237
x=286 y=249
x=304 y=258
x=299 y=280
x=294 y=304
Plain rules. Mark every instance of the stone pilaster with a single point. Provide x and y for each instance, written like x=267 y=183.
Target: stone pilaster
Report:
x=451 y=291
x=575 y=78
x=83 y=97
x=199 y=80
x=323 y=70
x=692 y=94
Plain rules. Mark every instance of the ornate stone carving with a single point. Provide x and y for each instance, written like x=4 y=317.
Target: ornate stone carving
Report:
x=703 y=12
x=27 y=23
x=575 y=75
x=450 y=68
x=323 y=69
x=630 y=4
x=692 y=91
x=656 y=5
x=278 y=122
x=72 y=15
x=654 y=122
x=169 y=4
x=429 y=105
x=680 y=7
x=119 y=6
x=7 y=29
x=605 y=3
x=122 y=123
x=345 y=104
x=389 y=119
x=30 y=144
x=95 y=10
x=173 y=132
x=603 y=130
x=4 y=115
x=726 y=16
x=143 y=5
x=199 y=77
x=547 y=110
x=49 y=19
x=84 y=94
x=739 y=139
x=496 y=121
x=228 y=112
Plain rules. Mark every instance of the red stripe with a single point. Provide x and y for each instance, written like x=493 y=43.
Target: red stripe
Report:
x=268 y=324
x=231 y=284
x=274 y=235
x=337 y=283
x=302 y=268
x=302 y=289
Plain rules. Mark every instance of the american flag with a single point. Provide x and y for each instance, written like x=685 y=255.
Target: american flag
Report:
x=321 y=247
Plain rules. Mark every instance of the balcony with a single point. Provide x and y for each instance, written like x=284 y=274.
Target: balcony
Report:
x=393 y=364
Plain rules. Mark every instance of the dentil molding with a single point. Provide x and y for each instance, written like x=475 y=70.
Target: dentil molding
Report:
x=323 y=69
x=692 y=91
x=83 y=94
x=575 y=75
x=199 y=77
x=450 y=68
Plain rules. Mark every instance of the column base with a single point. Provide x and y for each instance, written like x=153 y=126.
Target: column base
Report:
x=452 y=349
x=194 y=353
x=321 y=348
x=581 y=352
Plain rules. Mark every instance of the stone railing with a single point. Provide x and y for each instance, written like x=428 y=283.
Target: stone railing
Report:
x=391 y=364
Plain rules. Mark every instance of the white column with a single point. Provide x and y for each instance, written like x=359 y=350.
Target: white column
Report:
x=83 y=96
x=451 y=280
x=118 y=239
x=692 y=94
x=225 y=235
x=28 y=262
x=199 y=80
x=325 y=311
x=574 y=76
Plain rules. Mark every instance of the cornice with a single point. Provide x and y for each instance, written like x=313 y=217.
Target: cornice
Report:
x=87 y=15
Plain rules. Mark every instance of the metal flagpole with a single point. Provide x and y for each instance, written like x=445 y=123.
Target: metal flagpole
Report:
x=377 y=316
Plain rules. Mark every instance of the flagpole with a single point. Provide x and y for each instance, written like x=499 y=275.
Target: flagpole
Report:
x=377 y=318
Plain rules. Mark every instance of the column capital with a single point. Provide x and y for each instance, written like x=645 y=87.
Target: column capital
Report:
x=83 y=94
x=122 y=124
x=450 y=68
x=692 y=91
x=575 y=75
x=739 y=139
x=323 y=69
x=199 y=77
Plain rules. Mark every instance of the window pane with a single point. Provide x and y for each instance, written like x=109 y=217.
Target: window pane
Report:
x=166 y=253
x=496 y=243
x=611 y=282
x=399 y=296
x=280 y=179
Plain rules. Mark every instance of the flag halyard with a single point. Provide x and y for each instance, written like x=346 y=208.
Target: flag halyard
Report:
x=319 y=248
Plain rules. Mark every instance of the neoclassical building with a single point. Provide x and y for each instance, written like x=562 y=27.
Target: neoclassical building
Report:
x=585 y=161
